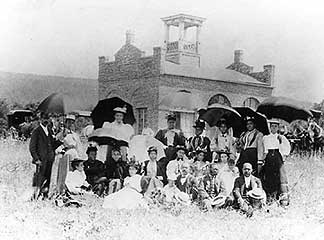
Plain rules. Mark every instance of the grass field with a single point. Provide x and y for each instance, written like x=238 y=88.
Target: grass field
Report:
x=304 y=219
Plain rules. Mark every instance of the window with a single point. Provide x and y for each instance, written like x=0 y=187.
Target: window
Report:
x=219 y=98
x=251 y=102
x=185 y=121
x=141 y=119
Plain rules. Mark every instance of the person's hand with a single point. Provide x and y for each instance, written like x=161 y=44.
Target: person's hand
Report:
x=38 y=162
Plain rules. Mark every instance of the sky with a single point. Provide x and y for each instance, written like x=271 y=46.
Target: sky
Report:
x=65 y=37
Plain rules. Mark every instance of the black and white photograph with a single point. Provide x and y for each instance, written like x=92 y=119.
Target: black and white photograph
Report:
x=147 y=119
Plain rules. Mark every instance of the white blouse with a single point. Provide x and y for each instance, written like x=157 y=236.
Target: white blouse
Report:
x=271 y=141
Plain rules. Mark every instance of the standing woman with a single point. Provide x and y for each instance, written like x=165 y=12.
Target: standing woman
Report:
x=123 y=131
x=275 y=179
x=251 y=147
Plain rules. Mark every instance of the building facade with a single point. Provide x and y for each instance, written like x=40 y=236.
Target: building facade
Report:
x=144 y=81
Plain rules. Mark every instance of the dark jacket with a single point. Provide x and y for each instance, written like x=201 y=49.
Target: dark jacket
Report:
x=177 y=140
x=240 y=189
x=160 y=170
x=42 y=147
x=116 y=170
x=94 y=170
x=207 y=188
x=203 y=143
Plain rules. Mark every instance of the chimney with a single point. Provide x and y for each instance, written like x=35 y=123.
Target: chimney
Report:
x=270 y=71
x=103 y=59
x=238 y=56
x=130 y=37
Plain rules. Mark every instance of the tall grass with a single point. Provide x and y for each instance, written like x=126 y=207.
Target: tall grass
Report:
x=304 y=218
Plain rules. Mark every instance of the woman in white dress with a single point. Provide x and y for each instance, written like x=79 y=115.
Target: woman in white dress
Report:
x=123 y=131
x=129 y=197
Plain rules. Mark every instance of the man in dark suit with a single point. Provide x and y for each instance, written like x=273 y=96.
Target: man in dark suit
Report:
x=199 y=142
x=187 y=183
x=42 y=149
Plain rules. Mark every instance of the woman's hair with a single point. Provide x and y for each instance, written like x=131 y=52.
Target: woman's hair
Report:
x=75 y=164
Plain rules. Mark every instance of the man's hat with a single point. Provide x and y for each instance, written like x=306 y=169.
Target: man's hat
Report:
x=218 y=201
x=181 y=147
x=70 y=117
x=273 y=121
x=256 y=193
x=183 y=198
x=171 y=116
x=121 y=109
x=92 y=148
x=75 y=160
x=199 y=124
x=152 y=149
x=249 y=118
x=199 y=150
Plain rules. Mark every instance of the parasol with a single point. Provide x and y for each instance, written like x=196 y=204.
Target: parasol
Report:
x=56 y=103
x=103 y=112
x=216 y=112
x=107 y=136
x=283 y=108
x=260 y=121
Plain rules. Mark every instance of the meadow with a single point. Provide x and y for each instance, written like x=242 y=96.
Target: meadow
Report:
x=20 y=219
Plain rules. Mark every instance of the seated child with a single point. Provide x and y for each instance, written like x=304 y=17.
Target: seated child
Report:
x=130 y=196
x=76 y=180
x=116 y=171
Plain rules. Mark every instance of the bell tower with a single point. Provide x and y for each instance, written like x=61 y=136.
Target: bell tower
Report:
x=182 y=51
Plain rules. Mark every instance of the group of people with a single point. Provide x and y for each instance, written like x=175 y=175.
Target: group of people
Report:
x=243 y=173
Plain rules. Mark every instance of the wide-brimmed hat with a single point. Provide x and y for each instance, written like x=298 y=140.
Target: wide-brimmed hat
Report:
x=199 y=124
x=183 y=198
x=70 y=117
x=256 y=193
x=121 y=109
x=152 y=149
x=273 y=121
x=218 y=201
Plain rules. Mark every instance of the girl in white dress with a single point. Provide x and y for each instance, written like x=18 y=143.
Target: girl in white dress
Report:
x=129 y=197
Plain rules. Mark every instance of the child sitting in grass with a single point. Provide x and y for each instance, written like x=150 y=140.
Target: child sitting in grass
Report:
x=76 y=180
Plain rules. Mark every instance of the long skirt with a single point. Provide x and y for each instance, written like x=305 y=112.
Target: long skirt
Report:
x=126 y=198
x=248 y=155
x=274 y=173
x=53 y=185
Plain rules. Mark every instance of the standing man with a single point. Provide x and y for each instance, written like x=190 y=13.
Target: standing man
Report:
x=171 y=137
x=251 y=147
x=199 y=142
x=42 y=149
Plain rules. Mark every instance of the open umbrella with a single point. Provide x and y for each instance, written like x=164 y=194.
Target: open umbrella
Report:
x=316 y=113
x=103 y=112
x=260 y=121
x=56 y=103
x=283 y=108
x=181 y=100
x=216 y=112
x=107 y=136
x=139 y=144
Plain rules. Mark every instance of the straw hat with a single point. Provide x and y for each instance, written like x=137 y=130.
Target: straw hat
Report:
x=70 y=117
x=218 y=201
x=121 y=109
x=274 y=121
x=256 y=193
x=183 y=198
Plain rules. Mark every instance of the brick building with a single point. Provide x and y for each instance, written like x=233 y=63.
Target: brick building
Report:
x=144 y=81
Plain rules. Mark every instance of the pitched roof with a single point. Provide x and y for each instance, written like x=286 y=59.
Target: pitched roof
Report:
x=216 y=74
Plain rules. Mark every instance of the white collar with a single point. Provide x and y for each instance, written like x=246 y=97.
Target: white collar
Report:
x=44 y=129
